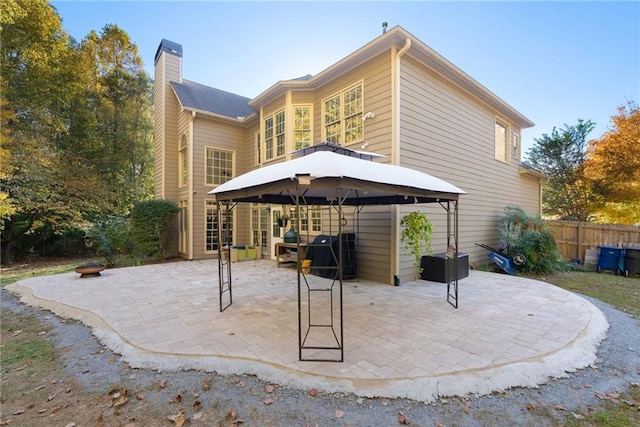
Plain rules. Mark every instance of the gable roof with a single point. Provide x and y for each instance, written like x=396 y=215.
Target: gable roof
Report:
x=198 y=97
x=398 y=38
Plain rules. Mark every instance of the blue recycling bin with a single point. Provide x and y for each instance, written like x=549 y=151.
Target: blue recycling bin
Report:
x=610 y=258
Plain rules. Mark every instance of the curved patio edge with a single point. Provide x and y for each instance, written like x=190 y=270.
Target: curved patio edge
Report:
x=577 y=354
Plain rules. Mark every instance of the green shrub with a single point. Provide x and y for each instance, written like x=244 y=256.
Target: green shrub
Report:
x=110 y=238
x=527 y=235
x=151 y=227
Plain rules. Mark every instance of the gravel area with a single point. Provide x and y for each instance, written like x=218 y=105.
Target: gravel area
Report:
x=258 y=403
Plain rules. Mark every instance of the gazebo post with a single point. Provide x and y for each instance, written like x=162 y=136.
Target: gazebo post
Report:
x=224 y=256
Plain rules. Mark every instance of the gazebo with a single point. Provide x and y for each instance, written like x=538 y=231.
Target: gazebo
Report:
x=327 y=174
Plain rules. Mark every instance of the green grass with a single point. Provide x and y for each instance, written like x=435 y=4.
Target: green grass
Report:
x=624 y=294
x=26 y=270
x=619 y=291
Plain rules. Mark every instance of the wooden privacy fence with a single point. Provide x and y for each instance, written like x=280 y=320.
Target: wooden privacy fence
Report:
x=574 y=237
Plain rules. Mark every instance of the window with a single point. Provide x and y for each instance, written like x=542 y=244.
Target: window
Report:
x=259 y=226
x=258 y=149
x=274 y=136
x=312 y=212
x=316 y=219
x=515 y=143
x=211 y=226
x=280 y=134
x=501 y=141
x=343 y=116
x=302 y=126
x=183 y=161
x=183 y=220
x=268 y=138
x=219 y=166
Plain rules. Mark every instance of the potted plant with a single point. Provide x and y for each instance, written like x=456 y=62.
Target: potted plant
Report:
x=416 y=235
x=282 y=220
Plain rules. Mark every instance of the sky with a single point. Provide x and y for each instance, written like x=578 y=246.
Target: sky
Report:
x=555 y=62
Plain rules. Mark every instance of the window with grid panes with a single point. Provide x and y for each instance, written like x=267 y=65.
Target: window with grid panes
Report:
x=343 y=116
x=183 y=161
x=219 y=166
x=302 y=126
x=268 y=138
x=280 y=134
x=211 y=226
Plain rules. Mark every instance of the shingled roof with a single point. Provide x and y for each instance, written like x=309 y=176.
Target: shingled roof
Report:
x=204 y=98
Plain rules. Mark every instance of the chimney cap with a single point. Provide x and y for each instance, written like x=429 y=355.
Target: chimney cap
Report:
x=169 y=47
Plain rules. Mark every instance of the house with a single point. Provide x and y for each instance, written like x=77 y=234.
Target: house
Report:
x=394 y=96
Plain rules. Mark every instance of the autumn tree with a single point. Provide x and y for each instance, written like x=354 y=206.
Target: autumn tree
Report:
x=561 y=156
x=613 y=167
x=36 y=68
x=76 y=125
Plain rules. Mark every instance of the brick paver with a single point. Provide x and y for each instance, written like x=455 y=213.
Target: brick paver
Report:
x=390 y=333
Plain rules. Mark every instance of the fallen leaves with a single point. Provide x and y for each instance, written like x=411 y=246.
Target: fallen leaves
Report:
x=16 y=333
x=270 y=388
x=206 y=384
x=178 y=419
x=338 y=414
x=402 y=418
x=613 y=397
x=232 y=417
x=313 y=392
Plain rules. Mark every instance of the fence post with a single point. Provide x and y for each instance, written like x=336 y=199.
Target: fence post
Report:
x=580 y=256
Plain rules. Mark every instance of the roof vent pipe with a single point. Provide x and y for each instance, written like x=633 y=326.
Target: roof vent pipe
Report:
x=384 y=27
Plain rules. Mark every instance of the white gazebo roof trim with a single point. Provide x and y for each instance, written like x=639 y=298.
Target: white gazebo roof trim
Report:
x=362 y=182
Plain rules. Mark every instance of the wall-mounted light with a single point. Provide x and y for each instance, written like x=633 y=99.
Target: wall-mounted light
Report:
x=304 y=179
x=369 y=115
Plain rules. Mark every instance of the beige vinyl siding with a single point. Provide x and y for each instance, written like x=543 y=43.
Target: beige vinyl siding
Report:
x=448 y=134
x=224 y=136
x=374 y=249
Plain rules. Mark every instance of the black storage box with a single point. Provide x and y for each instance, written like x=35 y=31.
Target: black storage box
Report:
x=433 y=267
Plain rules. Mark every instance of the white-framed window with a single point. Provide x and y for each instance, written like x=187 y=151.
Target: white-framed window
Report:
x=219 y=166
x=502 y=141
x=515 y=145
x=183 y=226
x=259 y=226
x=268 y=138
x=316 y=218
x=307 y=213
x=183 y=161
x=302 y=126
x=342 y=116
x=280 y=139
x=211 y=226
x=274 y=136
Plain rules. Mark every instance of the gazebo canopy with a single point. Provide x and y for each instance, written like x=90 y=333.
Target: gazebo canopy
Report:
x=329 y=174
x=316 y=177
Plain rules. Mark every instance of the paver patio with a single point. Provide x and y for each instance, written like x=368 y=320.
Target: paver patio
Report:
x=404 y=341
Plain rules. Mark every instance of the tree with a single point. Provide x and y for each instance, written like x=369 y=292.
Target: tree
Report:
x=76 y=124
x=112 y=122
x=36 y=71
x=613 y=167
x=561 y=156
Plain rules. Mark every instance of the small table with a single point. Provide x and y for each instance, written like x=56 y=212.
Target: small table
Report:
x=283 y=251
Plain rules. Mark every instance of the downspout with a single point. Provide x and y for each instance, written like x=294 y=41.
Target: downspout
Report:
x=395 y=155
x=190 y=205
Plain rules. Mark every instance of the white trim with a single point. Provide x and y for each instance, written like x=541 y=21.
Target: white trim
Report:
x=340 y=94
x=233 y=163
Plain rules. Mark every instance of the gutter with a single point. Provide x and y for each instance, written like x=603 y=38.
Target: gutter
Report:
x=395 y=155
